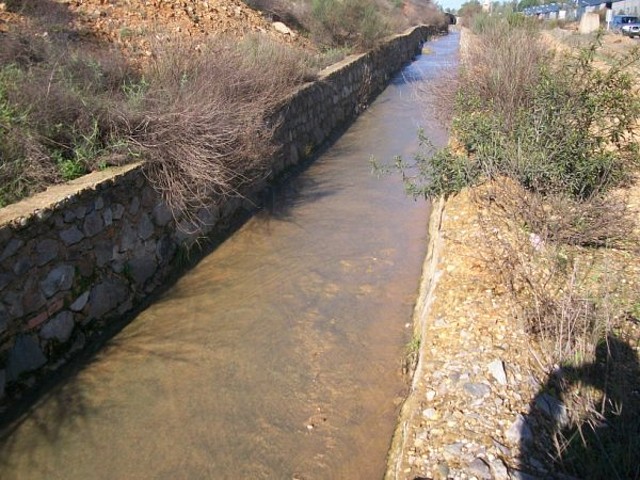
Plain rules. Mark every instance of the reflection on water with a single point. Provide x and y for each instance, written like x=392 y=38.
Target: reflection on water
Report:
x=278 y=356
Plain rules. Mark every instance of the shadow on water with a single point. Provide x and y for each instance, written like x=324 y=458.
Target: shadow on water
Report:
x=77 y=392
x=607 y=445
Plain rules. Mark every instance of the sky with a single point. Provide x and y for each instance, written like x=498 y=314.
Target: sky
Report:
x=450 y=3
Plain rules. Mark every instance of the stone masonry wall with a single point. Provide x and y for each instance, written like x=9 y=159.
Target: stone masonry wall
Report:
x=80 y=255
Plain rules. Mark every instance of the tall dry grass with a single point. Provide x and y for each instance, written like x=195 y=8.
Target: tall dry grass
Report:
x=501 y=65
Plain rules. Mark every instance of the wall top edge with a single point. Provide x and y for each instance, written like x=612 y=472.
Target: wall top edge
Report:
x=57 y=195
x=331 y=69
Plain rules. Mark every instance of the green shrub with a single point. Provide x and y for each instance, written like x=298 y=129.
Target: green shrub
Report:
x=348 y=22
x=567 y=130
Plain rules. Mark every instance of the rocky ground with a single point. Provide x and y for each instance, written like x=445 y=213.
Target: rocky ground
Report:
x=481 y=385
x=476 y=376
x=135 y=25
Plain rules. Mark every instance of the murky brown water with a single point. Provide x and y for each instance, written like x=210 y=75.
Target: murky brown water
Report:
x=278 y=356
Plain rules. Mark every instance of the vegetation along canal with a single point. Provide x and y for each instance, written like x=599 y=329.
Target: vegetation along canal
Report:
x=278 y=355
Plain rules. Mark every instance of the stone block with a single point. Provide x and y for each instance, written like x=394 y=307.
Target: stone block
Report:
x=107 y=216
x=149 y=197
x=186 y=231
x=33 y=300
x=145 y=227
x=69 y=215
x=134 y=206
x=294 y=156
x=80 y=302
x=60 y=278
x=106 y=297
x=161 y=214
x=71 y=236
x=13 y=301
x=4 y=319
x=142 y=269
x=118 y=211
x=128 y=237
x=93 y=224
x=5 y=279
x=103 y=251
x=46 y=250
x=25 y=356
x=58 y=328
x=81 y=211
x=11 y=248
x=149 y=247
x=165 y=249
x=208 y=216
x=22 y=266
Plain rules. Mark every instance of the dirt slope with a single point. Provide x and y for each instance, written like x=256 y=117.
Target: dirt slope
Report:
x=135 y=24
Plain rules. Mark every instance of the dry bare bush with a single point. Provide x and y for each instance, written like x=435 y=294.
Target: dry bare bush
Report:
x=568 y=296
x=55 y=103
x=358 y=24
x=501 y=65
x=24 y=166
x=438 y=96
x=415 y=12
x=198 y=114
x=22 y=49
x=202 y=126
x=598 y=221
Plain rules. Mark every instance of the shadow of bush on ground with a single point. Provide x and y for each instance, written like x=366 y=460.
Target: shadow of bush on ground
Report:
x=602 y=442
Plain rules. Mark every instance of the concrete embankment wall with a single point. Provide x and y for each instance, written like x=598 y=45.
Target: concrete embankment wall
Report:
x=83 y=254
x=422 y=309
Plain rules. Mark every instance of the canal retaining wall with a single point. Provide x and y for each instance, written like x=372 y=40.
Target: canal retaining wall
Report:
x=83 y=254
